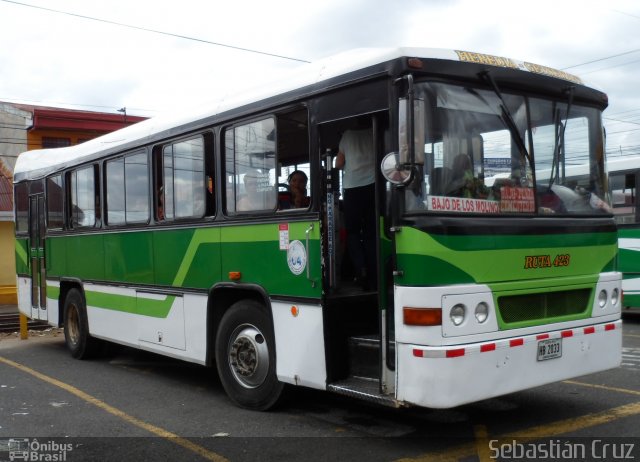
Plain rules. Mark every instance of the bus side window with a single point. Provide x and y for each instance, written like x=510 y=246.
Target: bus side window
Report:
x=55 y=201
x=250 y=166
x=294 y=167
x=21 y=198
x=180 y=182
x=623 y=197
x=83 y=201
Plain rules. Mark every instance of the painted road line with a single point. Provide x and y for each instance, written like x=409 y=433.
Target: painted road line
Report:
x=482 y=442
x=631 y=358
x=574 y=424
x=172 y=437
x=550 y=430
x=603 y=387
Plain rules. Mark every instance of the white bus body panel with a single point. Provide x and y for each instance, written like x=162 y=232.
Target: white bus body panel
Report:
x=631 y=285
x=166 y=336
x=426 y=377
x=53 y=307
x=300 y=354
x=23 y=286
x=445 y=366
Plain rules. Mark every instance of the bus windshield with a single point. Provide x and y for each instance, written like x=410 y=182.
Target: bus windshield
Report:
x=501 y=153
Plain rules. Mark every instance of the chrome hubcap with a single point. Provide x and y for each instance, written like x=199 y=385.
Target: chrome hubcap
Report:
x=248 y=356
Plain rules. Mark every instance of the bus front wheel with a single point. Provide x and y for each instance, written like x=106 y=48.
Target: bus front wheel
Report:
x=245 y=357
x=76 y=326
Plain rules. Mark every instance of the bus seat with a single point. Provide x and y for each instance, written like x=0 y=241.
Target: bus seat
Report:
x=284 y=196
x=439 y=176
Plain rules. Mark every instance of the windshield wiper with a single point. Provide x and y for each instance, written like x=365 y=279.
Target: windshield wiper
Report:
x=507 y=118
x=559 y=141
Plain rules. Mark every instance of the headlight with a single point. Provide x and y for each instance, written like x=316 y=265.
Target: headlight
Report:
x=615 y=296
x=457 y=314
x=482 y=312
x=602 y=298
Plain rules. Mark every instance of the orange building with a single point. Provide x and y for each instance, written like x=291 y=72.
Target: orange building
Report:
x=24 y=127
x=53 y=127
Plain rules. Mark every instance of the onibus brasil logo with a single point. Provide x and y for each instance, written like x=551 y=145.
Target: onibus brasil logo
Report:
x=34 y=450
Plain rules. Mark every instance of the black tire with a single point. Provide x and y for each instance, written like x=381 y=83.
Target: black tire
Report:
x=245 y=357
x=76 y=327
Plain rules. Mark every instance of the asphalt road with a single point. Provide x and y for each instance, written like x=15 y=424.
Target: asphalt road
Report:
x=133 y=405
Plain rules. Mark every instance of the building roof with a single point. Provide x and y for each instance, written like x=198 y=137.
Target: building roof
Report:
x=64 y=119
x=55 y=118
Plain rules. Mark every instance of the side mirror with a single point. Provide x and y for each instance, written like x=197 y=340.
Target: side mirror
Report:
x=411 y=150
x=393 y=171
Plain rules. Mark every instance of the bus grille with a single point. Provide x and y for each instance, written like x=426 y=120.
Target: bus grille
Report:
x=532 y=307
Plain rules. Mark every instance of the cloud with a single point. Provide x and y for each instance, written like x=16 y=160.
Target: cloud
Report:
x=52 y=57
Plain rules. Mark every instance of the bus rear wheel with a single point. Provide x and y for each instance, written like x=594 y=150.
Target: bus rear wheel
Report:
x=245 y=357
x=76 y=327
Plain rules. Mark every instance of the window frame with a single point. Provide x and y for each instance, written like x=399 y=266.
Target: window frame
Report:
x=231 y=160
x=207 y=183
x=71 y=182
x=291 y=135
x=48 y=196
x=23 y=219
x=125 y=222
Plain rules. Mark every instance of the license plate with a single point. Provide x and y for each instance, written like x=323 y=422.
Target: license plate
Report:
x=549 y=349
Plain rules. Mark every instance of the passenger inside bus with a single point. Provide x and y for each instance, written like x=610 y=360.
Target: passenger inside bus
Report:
x=462 y=175
x=356 y=158
x=297 y=192
x=464 y=183
x=160 y=211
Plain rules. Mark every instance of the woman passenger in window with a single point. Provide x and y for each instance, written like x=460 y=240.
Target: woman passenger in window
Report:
x=464 y=183
x=298 y=189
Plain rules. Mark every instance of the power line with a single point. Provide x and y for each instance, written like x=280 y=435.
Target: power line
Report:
x=612 y=56
x=610 y=67
x=595 y=60
x=622 y=121
x=130 y=26
x=626 y=14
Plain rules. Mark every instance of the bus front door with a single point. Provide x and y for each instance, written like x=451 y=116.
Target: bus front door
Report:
x=37 y=258
x=361 y=348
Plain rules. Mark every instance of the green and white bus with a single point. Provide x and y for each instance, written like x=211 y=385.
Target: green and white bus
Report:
x=486 y=282
x=624 y=176
x=623 y=172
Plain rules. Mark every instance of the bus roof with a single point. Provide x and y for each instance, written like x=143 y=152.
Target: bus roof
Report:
x=622 y=163
x=37 y=164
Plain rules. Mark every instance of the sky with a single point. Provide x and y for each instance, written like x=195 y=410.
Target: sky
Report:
x=154 y=56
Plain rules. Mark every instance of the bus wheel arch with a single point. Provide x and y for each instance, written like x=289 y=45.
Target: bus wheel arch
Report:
x=76 y=323
x=244 y=349
x=222 y=297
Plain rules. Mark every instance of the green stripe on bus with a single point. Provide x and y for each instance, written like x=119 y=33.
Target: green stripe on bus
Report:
x=200 y=236
x=123 y=303
x=425 y=260
x=21 y=253
x=190 y=258
x=53 y=292
x=503 y=242
x=128 y=304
